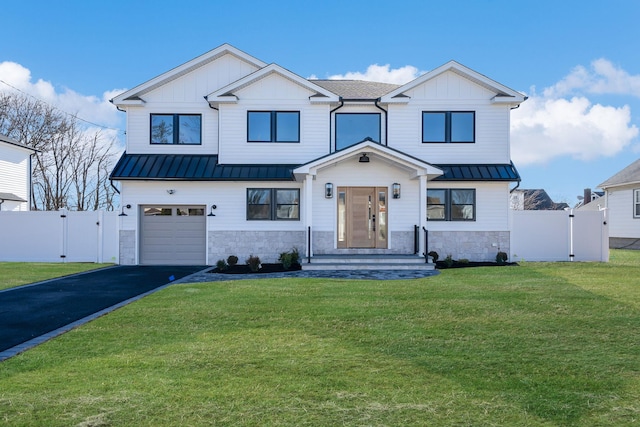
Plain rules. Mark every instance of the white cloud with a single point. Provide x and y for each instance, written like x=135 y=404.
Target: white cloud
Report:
x=91 y=108
x=564 y=122
x=381 y=73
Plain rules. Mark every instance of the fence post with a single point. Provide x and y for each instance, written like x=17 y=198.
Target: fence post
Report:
x=65 y=234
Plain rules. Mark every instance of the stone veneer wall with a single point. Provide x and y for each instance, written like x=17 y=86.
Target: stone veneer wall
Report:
x=472 y=245
x=268 y=245
x=323 y=244
x=127 y=245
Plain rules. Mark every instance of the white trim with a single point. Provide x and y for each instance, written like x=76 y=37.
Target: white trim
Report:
x=636 y=202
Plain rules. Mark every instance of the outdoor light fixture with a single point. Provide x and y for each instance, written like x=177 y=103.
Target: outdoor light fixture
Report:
x=328 y=190
x=396 y=190
x=213 y=207
x=122 y=213
x=364 y=158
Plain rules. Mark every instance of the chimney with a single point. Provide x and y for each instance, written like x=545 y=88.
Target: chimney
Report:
x=587 y=196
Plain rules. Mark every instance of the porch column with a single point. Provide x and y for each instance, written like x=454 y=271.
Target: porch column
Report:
x=422 y=209
x=308 y=213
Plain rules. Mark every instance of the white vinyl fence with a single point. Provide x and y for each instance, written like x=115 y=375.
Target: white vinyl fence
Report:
x=557 y=235
x=59 y=236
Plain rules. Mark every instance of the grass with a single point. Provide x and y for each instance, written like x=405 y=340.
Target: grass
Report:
x=542 y=344
x=20 y=273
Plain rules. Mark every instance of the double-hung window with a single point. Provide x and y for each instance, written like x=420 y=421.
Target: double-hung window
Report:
x=273 y=126
x=273 y=204
x=176 y=129
x=451 y=204
x=448 y=126
x=636 y=203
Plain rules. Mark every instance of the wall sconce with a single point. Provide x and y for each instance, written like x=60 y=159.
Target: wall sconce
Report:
x=213 y=207
x=364 y=158
x=122 y=212
x=396 y=190
x=171 y=191
x=328 y=190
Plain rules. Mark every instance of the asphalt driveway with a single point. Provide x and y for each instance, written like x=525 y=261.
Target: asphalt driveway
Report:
x=34 y=313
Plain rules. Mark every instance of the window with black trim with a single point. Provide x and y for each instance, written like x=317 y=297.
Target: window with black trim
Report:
x=448 y=126
x=636 y=203
x=176 y=129
x=352 y=128
x=451 y=204
x=273 y=126
x=273 y=204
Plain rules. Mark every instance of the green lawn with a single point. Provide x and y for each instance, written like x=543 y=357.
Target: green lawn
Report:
x=541 y=344
x=20 y=273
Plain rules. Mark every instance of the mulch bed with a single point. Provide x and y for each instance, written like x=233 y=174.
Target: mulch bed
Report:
x=266 y=268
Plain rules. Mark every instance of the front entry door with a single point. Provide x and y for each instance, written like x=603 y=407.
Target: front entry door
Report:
x=362 y=217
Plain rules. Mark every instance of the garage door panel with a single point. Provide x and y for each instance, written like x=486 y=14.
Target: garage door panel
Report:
x=172 y=239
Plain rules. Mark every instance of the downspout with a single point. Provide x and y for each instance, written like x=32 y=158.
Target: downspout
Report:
x=218 y=110
x=31 y=198
x=330 y=121
x=386 y=128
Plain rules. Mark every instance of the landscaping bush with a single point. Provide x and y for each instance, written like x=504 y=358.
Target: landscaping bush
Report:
x=434 y=255
x=221 y=265
x=254 y=263
x=232 y=260
x=501 y=257
x=289 y=258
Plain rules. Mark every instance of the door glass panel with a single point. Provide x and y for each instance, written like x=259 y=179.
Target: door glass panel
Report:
x=155 y=211
x=382 y=218
x=342 y=218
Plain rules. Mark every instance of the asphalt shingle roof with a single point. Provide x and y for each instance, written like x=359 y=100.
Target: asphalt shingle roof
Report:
x=627 y=175
x=356 y=89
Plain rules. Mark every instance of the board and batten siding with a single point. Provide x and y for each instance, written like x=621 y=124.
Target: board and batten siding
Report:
x=273 y=93
x=621 y=221
x=14 y=175
x=450 y=92
x=184 y=95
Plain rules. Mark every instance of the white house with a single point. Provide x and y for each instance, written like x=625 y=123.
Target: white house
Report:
x=622 y=199
x=15 y=175
x=228 y=155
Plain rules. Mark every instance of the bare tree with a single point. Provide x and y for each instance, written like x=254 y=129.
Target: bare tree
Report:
x=72 y=164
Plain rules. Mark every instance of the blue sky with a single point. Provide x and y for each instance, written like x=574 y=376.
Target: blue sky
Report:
x=577 y=61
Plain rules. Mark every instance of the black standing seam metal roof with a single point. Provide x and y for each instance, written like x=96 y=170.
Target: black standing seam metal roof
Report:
x=198 y=167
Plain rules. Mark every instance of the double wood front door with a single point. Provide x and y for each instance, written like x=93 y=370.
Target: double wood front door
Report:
x=362 y=217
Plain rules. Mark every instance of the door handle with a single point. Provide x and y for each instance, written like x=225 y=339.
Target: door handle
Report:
x=373 y=218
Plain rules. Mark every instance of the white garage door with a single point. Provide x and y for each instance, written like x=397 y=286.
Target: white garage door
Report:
x=173 y=235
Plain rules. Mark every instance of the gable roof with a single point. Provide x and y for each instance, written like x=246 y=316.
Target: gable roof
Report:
x=503 y=93
x=226 y=94
x=10 y=197
x=13 y=142
x=628 y=175
x=356 y=89
x=132 y=96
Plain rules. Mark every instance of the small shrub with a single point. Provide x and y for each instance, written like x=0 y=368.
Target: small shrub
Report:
x=289 y=258
x=434 y=255
x=232 y=260
x=448 y=261
x=221 y=265
x=463 y=261
x=254 y=263
x=501 y=257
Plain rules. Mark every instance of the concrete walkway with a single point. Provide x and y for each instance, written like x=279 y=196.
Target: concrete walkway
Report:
x=32 y=314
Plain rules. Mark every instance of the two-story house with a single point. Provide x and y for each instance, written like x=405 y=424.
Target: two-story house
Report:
x=227 y=155
x=15 y=175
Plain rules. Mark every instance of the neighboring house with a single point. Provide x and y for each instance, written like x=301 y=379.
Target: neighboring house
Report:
x=15 y=175
x=590 y=196
x=534 y=200
x=622 y=199
x=228 y=155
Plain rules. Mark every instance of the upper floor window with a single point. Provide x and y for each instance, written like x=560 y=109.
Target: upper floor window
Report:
x=448 y=126
x=636 y=203
x=451 y=204
x=273 y=126
x=176 y=129
x=352 y=128
x=273 y=204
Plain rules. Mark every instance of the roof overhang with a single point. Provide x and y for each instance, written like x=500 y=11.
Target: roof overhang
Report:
x=10 y=197
x=227 y=94
x=132 y=97
x=504 y=95
x=12 y=142
x=374 y=151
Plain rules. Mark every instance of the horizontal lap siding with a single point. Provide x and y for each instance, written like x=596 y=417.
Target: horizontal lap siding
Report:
x=185 y=95
x=273 y=93
x=620 y=212
x=14 y=167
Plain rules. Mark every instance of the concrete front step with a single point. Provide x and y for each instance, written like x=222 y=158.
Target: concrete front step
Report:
x=366 y=262
x=367 y=266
